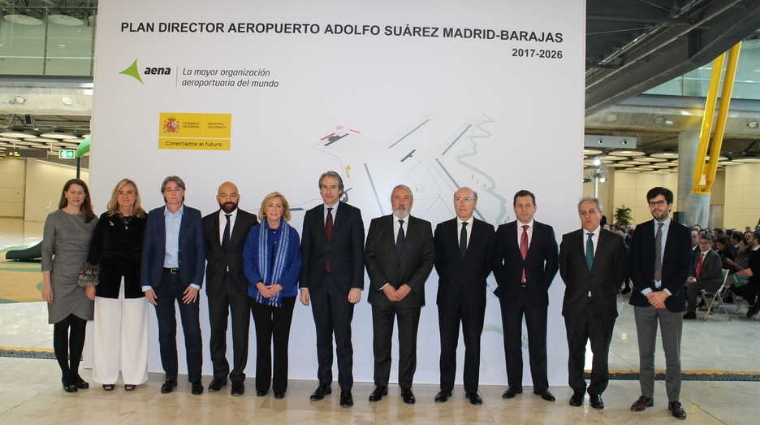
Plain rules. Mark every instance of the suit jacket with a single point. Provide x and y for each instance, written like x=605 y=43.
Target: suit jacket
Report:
x=463 y=280
x=219 y=259
x=413 y=268
x=711 y=269
x=191 y=248
x=345 y=251
x=675 y=264
x=602 y=281
x=540 y=264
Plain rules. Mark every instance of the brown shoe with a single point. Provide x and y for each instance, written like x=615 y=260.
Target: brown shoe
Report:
x=677 y=410
x=641 y=404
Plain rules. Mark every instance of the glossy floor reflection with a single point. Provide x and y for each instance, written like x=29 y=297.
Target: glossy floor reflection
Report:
x=30 y=394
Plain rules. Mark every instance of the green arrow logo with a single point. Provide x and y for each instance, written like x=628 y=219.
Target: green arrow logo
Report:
x=133 y=72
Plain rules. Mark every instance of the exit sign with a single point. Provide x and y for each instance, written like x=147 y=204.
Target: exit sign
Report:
x=66 y=154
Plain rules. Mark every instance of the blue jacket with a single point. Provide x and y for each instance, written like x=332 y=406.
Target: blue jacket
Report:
x=192 y=252
x=289 y=280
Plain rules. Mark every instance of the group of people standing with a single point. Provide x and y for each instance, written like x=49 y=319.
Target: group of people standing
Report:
x=261 y=265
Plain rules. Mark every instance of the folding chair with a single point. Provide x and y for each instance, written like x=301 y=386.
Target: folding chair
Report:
x=712 y=297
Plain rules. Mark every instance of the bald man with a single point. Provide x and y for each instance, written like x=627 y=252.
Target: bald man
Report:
x=225 y=232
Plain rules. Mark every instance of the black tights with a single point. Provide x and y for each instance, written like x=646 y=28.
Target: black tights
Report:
x=68 y=345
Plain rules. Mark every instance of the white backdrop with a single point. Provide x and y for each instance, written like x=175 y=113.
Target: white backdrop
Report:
x=434 y=94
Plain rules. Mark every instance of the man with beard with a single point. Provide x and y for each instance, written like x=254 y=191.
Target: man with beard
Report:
x=399 y=257
x=659 y=266
x=225 y=232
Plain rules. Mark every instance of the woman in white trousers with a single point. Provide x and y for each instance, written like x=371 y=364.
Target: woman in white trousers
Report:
x=121 y=310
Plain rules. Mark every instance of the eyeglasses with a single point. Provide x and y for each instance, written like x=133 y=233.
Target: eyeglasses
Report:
x=659 y=203
x=465 y=199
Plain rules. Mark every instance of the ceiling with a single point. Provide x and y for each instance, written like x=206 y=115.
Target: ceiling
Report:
x=631 y=46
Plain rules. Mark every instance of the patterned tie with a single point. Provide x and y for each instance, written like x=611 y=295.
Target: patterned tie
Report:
x=463 y=239
x=329 y=224
x=699 y=265
x=524 y=248
x=590 y=251
x=226 y=233
x=400 y=239
x=658 y=253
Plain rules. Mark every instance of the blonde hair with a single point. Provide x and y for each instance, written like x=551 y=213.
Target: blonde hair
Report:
x=285 y=205
x=113 y=204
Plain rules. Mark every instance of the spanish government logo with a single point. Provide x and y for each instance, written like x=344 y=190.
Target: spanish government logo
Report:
x=171 y=125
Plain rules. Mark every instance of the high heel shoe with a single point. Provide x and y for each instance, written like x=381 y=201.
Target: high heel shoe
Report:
x=68 y=387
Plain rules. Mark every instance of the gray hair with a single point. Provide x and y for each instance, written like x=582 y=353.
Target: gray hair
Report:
x=592 y=199
x=334 y=175
x=403 y=186
x=176 y=179
x=474 y=193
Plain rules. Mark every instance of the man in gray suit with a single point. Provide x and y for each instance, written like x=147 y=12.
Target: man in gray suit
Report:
x=706 y=274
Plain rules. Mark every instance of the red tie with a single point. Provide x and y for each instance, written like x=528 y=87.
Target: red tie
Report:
x=699 y=264
x=524 y=247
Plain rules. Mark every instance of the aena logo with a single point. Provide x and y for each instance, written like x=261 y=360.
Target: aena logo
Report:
x=134 y=71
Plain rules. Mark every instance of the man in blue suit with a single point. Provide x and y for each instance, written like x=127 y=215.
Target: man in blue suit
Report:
x=172 y=269
x=659 y=266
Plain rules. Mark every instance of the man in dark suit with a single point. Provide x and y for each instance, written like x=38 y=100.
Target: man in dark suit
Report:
x=172 y=269
x=399 y=258
x=225 y=232
x=706 y=273
x=332 y=278
x=592 y=264
x=526 y=263
x=659 y=266
x=463 y=260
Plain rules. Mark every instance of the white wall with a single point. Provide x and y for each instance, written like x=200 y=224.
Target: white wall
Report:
x=12 y=182
x=44 y=182
x=630 y=189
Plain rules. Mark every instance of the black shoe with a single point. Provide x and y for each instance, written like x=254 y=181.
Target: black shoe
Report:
x=279 y=395
x=576 y=400
x=68 y=386
x=261 y=393
x=197 y=388
x=511 y=392
x=595 y=400
x=641 y=404
x=238 y=388
x=80 y=383
x=217 y=384
x=690 y=316
x=545 y=394
x=408 y=396
x=320 y=393
x=169 y=385
x=474 y=398
x=442 y=396
x=346 y=399
x=677 y=410
x=753 y=310
x=378 y=393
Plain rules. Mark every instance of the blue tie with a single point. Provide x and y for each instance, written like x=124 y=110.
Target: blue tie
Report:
x=590 y=251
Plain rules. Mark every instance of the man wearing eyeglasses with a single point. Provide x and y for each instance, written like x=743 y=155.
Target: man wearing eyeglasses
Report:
x=659 y=266
x=463 y=259
x=705 y=274
x=173 y=261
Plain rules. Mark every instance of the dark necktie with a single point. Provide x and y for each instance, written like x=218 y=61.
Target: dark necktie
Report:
x=658 y=253
x=590 y=251
x=226 y=233
x=524 y=248
x=463 y=239
x=329 y=224
x=400 y=239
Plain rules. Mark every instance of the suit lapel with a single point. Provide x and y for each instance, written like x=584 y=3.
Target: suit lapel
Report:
x=215 y=220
